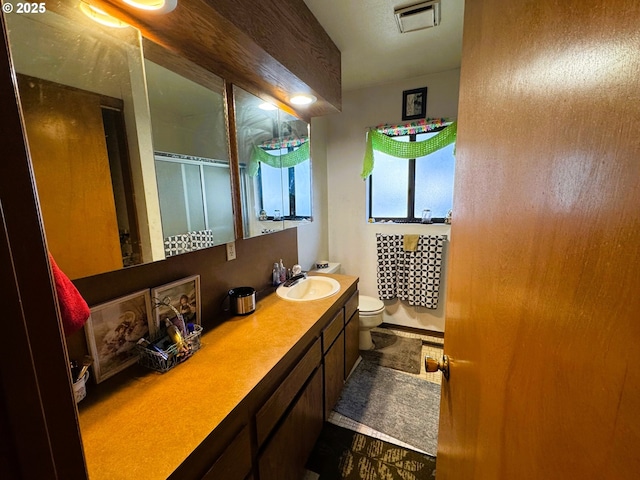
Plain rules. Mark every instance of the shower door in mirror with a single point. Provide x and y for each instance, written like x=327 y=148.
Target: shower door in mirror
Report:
x=275 y=166
x=190 y=140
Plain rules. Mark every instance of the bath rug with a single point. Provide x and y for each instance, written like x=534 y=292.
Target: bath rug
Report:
x=342 y=454
x=394 y=403
x=393 y=351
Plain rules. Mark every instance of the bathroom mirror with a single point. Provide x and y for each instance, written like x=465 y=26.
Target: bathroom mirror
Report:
x=191 y=152
x=275 y=166
x=83 y=95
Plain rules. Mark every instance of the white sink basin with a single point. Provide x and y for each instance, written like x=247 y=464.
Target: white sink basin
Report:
x=310 y=288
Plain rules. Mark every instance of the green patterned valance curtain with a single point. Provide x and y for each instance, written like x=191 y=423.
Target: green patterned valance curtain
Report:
x=287 y=160
x=382 y=143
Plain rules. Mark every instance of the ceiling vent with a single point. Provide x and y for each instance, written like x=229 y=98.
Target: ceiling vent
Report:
x=418 y=17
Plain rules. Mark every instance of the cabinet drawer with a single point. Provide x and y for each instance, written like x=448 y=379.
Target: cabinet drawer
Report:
x=287 y=451
x=272 y=410
x=351 y=306
x=331 y=332
x=235 y=461
x=352 y=343
x=333 y=374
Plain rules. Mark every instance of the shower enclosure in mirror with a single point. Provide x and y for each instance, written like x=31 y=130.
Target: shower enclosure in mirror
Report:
x=191 y=152
x=275 y=166
x=94 y=146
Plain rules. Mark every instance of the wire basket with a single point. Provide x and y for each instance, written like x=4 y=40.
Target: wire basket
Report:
x=167 y=358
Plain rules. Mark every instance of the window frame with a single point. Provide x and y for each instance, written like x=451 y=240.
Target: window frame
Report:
x=411 y=191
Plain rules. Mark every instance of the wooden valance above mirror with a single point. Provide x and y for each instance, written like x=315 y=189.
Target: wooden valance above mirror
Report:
x=255 y=45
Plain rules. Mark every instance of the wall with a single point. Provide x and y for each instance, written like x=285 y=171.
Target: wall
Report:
x=351 y=240
x=252 y=267
x=313 y=243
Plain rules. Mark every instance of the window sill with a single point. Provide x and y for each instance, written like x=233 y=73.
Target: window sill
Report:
x=406 y=222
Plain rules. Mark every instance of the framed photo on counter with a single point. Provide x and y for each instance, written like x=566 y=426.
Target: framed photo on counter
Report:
x=113 y=330
x=183 y=295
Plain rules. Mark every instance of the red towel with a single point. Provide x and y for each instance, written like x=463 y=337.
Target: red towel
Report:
x=73 y=307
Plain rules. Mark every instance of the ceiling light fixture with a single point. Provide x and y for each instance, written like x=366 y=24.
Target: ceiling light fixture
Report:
x=302 y=99
x=100 y=16
x=418 y=17
x=153 y=6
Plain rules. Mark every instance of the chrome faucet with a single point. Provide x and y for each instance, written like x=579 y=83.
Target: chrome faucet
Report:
x=295 y=279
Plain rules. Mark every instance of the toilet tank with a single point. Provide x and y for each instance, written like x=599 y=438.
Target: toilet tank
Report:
x=331 y=268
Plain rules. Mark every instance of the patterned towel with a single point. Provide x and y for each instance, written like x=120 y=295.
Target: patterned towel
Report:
x=411 y=276
x=188 y=242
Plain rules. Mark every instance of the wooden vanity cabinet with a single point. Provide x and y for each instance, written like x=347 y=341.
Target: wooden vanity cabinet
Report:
x=235 y=461
x=351 y=333
x=274 y=408
x=287 y=451
x=225 y=453
x=333 y=345
x=270 y=435
x=340 y=340
x=290 y=420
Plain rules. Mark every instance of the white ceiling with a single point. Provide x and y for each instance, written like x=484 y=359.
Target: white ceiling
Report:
x=374 y=52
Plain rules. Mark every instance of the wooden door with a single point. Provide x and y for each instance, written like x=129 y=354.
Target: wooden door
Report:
x=543 y=300
x=71 y=166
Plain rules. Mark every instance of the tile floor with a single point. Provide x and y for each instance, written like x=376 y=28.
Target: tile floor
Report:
x=431 y=346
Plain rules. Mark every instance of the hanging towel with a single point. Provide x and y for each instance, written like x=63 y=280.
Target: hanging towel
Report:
x=410 y=276
x=419 y=272
x=411 y=243
x=73 y=308
x=388 y=247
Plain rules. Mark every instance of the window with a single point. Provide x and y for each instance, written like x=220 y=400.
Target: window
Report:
x=286 y=189
x=400 y=189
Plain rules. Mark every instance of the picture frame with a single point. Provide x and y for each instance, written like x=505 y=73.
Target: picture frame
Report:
x=113 y=330
x=414 y=104
x=183 y=295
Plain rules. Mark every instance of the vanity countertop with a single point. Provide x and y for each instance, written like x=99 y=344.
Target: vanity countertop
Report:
x=148 y=423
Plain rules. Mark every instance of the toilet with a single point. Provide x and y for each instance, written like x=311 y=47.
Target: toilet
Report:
x=330 y=267
x=371 y=309
x=371 y=315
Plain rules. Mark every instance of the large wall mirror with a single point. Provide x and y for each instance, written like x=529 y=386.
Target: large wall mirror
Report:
x=191 y=152
x=97 y=141
x=275 y=166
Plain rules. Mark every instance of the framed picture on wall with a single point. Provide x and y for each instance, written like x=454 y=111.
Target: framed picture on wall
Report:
x=183 y=295
x=414 y=104
x=113 y=329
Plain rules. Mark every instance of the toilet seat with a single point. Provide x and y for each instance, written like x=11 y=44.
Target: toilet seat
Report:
x=369 y=306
